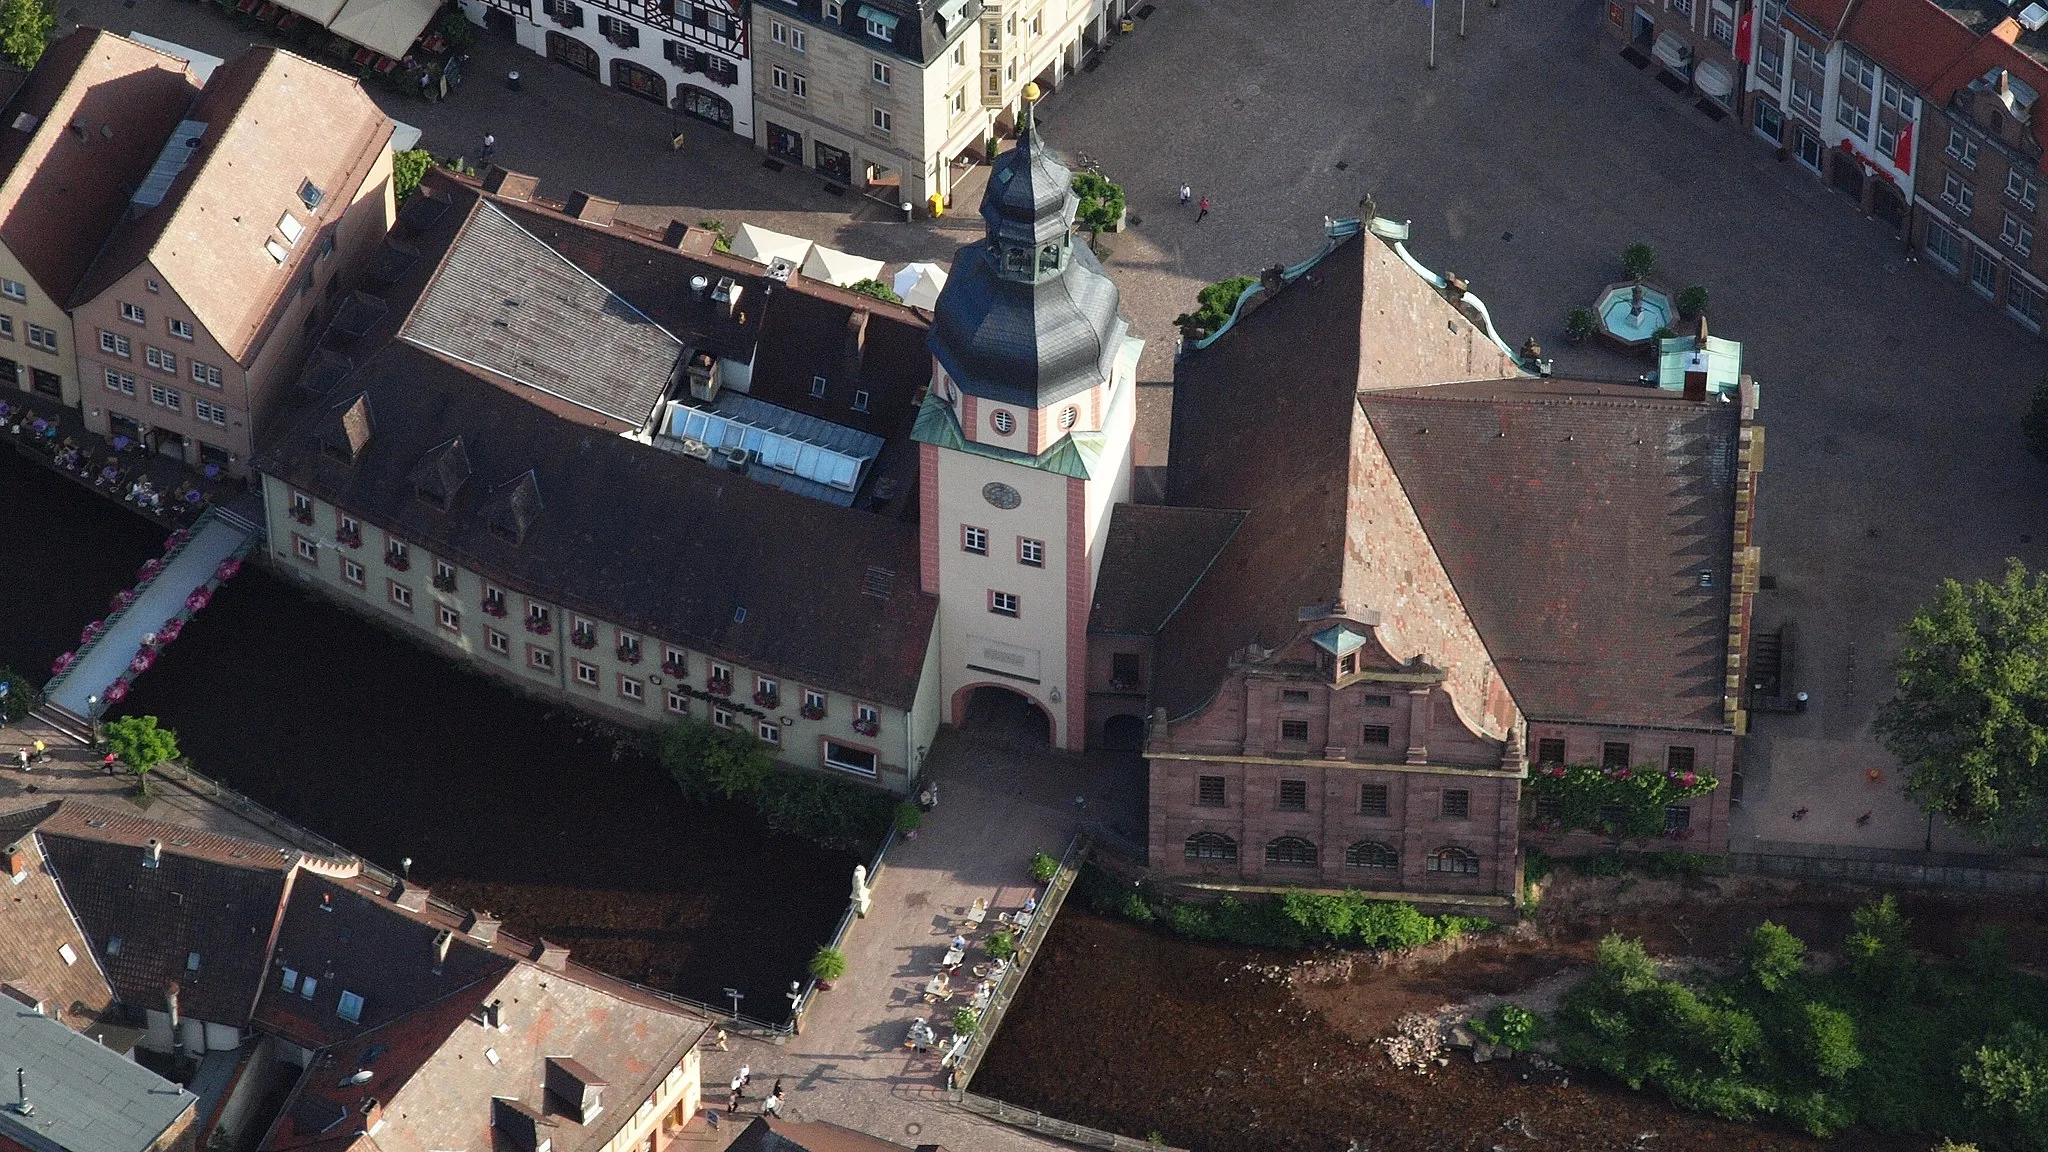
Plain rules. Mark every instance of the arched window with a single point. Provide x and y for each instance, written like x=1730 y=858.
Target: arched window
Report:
x=1291 y=852
x=1371 y=854
x=1069 y=416
x=1000 y=420
x=1456 y=860
x=1211 y=846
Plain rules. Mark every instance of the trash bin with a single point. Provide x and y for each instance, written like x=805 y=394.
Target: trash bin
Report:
x=908 y=208
x=512 y=80
x=937 y=204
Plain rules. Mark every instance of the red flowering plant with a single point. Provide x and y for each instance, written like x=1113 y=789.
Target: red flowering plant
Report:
x=150 y=568
x=58 y=667
x=767 y=698
x=629 y=653
x=117 y=691
x=176 y=540
x=1588 y=796
x=812 y=711
x=674 y=668
x=344 y=535
x=539 y=625
x=719 y=686
x=171 y=630
x=494 y=607
x=228 y=568
x=583 y=638
x=199 y=599
x=91 y=632
x=867 y=726
x=122 y=599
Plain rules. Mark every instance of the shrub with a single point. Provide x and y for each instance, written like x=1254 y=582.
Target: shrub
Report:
x=1578 y=323
x=1134 y=907
x=1638 y=260
x=966 y=1021
x=908 y=818
x=1773 y=956
x=2008 y=1079
x=722 y=234
x=1102 y=202
x=708 y=761
x=1664 y=332
x=1877 y=951
x=1214 y=304
x=1509 y=1024
x=1587 y=793
x=22 y=695
x=1828 y=1041
x=880 y=290
x=140 y=744
x=1043 y=867
x=408 y=168
x=827 y=964
x=828 y=812
x=1001 y=945
x=1692 y=300
x=457 y=28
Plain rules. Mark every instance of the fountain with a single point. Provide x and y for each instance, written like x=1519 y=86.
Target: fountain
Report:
x=1630 y=313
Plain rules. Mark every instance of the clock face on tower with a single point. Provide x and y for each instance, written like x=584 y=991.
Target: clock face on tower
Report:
x=1001 y=495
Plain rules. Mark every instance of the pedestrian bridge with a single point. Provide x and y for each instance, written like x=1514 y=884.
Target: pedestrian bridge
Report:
x=172 y=590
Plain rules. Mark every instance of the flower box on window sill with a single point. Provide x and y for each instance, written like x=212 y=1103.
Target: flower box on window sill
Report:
x=303 y=515
x=811 y=712
x=1123 y=685
x=867 y=727
x=673 y=669
x=539 y=626
x=447 y=585
x=628 y=654
x=494 y=608
x=719 y=688
x=767 y=699
x=584 y=640
x=352 y=539
x=396 y=562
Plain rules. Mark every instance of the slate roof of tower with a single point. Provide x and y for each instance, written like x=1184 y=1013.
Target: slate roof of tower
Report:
x=1021 y=342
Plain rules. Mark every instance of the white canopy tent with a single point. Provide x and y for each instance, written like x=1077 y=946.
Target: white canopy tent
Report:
x=387 y=27
x=920 y=284
x=761 y=245
x=841 y=268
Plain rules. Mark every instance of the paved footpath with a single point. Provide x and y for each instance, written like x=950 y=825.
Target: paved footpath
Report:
x=75 y=772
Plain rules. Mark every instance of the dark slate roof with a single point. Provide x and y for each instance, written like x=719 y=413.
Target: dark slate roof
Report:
x=630 y=533
x=211 y=895
x=504 y=301
x=1030 y=194
x=354 y=940
x=1025 y=343
x=1154 y=557
x=1576 y=521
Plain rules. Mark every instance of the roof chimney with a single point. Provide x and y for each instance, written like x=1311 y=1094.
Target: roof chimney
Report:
x=855 y=349
x=552 y=957
x=701 y=368
x=153 y=854
x=591 y=209
x=726 y=296
x=442 y=939
x=410 y=897
x=1696 y=374
x=493 y=1014
x=482 y=926
x=16 y=860
x=525 y=1128
x=2004 y=83
x=372 y=1112
x=22 y=1107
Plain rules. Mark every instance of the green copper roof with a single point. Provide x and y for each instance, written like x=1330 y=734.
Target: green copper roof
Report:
x=1071 y=456
x=1724 y=362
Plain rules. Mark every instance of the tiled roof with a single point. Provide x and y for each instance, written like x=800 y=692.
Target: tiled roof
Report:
x=1589 y=530
x=632 y=534
x=348 y=938
x=35 y=924
x=281 y=121
x=1914 y=39
x=1154 y=557
x=199 y=901
x=63 y=188
x=1823 y=15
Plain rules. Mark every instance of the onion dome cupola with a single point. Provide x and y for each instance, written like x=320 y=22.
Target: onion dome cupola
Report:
x=1027 y=316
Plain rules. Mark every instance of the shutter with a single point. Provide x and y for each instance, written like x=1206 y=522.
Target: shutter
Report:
x=632 y=34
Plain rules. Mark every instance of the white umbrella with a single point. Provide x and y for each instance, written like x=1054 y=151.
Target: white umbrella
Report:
x=761 y=245
x=841 y=268
x=920 y=284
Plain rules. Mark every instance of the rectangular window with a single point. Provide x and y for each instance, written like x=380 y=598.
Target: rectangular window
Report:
x=1293 y=796
x=350 y=1007
x=629 y=687
x=210 y=412
x=1294 y=731
x=1126 y=672
x=796 y=39
x=2018 y=187
x=1372 y=800
x=881 y=120
x=397 y=554
x=720 y=674
x=1769 y=59
x=1376 y=734
x=133 y=313
x=1945 y=246
x=2024 y=302
x=540 y=658
x=1457 y=803
x=1614 y=755
x=164 y=397
x=876 y=28
x=778 y=32
x=159 y=359
x=1682 y=7
x=1721 y=28
x=586 y=673
x=1002 y=603
x=779 y=77
x=7 y=327
x=960 y=102
x=1962 y=147
x=721 y=717
x=14 y=290
x=499 y=642
x=818 y=387
x=860 y=400
x=122 y=382
x=847 y=758
x=814 y=703
x=1678 y=817
x=307 y=987
x=306 y=549
x=401 y=595
x=675 y=662
x=769 y=731
x=1550 y=751
x=449 y=617
x=678 y=702
x=352 y=572
x=1804 y=96
x=974 y=540
x=1852 y=111
x=205 y=374
x=1294 y=695
x=866 y=718
x=41 y=337
x=114 y=344
x=1856 y=67
x=879 y=70
x=1887 y=140
x=1031 y=552
x=1983 y=272
x=182 y=329
x=798 y=86
x=1896 y=99
x=288 y=980
x=1679 y=758
x=1211 y=791
x=2017 y=236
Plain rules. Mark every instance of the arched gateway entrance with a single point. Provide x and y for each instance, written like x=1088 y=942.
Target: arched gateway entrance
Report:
x=1003 y=715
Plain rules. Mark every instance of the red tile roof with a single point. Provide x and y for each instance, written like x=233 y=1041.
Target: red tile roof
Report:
x=1826 y=15
x=1915 y=39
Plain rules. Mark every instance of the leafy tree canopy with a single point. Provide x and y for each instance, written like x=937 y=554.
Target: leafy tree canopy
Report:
x=140 y=743
x=25 y=30
x=876 y=288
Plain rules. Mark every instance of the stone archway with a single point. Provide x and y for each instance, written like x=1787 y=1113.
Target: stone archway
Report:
x=1002 y=714
x=1124 y=734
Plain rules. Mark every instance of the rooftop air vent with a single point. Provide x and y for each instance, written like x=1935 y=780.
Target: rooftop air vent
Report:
x=698 y=285
x=779 y=270
x=26 y=121
x=177 y=153
x=2032 y=17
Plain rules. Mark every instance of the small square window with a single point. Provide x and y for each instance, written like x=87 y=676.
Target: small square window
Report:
x=879 y=70
x=586 y=673
x=133 y=313
x=818 y=386
x=1680 y=758
x=1457 y=803
x=814 y=701
x=540 y=658
x=306 y=549
x=307 y=987
x=1003 y=603
x=291 y=229
x=1550 y=751
x=721 y=717
x=499 y=642
x=401 y=595
x=14 y=290
x=1376 y=734
x=1211 y=791
x=770 y=732
x=1678 y=817
x=860 y=400
x=289 y=980
x=1294 y=731
x=1031 y=552
x=974 y=540
x=630 y=688
x=1614 y=755
x=1293 y=796
x=678 y=702
x=449 y=617
x=181 y=329
x=882 y=120
x=352 y=572
x=350 y=1008
x=1372 y=800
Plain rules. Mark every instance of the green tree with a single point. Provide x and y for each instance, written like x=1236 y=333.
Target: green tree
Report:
x=2008 y=1078
x=408 y=168
x=876 y=288
x=140 y=744
x=706 y=761
x=1773 y=956
x=1970 y=718
x=1638 y=260
x=827 y=964
x=1102 y=203
x=25 y=29
x=2034 y=425
x=1878 y=952
x=1827 y=1039
x=1214 y=304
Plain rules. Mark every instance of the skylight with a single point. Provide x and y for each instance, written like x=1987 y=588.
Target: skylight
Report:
x=278 y=252
x=289 y=225
x=310 y=195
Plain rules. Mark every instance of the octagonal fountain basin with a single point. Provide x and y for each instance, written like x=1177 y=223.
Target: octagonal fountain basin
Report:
x=1629 y=314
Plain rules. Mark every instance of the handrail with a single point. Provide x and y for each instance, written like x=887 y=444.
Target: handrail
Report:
x=1031 y=1121
x=1062 y=882
x=846 y=919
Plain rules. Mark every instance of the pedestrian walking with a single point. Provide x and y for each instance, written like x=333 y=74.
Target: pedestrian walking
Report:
x=490 y=145
x=732 y=1106
x=42 y=750
x=746 y=1074
x=108 y=763
x=1186 y=194
x=738 y=1083
x=1201 y=209
x=772 y=1106
x=721 y=1041
x=21 y=759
